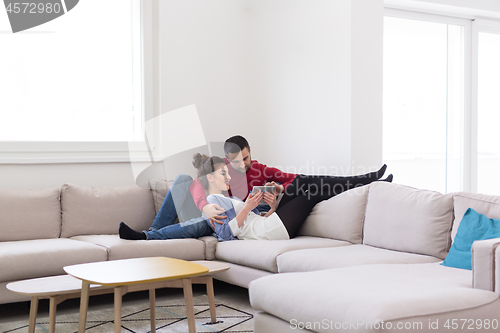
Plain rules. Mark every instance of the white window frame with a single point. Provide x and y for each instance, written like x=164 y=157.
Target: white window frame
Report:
x=95 y=152
x=478 y=25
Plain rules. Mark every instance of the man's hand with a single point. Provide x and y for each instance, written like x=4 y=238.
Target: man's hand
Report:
x=271 y=201
x=278 y=188
x=217 y=219
x=214 y=213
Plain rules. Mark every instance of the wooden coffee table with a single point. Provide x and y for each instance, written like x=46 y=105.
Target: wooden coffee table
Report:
x=55 y=288
x=63 y=287
x=125 y=275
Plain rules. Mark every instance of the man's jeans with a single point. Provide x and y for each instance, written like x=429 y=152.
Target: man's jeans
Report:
x=179 y=203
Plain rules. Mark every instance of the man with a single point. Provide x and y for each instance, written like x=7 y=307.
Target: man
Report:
x=245 y=174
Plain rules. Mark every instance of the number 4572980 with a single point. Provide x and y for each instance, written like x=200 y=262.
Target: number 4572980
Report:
x=33 y=8
x=471 y=324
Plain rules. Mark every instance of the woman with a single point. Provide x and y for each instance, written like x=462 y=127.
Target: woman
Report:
x=243 y=220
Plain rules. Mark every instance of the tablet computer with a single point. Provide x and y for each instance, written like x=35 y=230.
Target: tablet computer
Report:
x=269 y=189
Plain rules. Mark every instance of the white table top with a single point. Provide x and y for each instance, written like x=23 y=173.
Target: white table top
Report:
x=132 y=271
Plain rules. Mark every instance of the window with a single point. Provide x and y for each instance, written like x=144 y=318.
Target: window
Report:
x=423 y=101
x=441 y=101
x=74 y=83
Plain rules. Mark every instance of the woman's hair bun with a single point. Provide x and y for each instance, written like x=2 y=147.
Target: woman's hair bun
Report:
x=199 y=159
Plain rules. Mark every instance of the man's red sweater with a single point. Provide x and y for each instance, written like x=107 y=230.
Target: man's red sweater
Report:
x=241 y=184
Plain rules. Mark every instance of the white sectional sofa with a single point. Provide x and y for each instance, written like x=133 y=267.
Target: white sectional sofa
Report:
x=367 y=257
x=391 y=279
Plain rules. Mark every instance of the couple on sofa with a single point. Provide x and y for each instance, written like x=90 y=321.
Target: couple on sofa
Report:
x=237 y=216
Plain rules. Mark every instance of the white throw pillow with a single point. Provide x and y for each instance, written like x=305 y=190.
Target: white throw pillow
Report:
x=407 y=219
x=488 y=205
x=340 y=217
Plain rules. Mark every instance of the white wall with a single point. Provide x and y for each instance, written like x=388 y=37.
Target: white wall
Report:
x=301 y=77
x=367 y=20
x=206 y=57
x=40 y=176
x=295 y=77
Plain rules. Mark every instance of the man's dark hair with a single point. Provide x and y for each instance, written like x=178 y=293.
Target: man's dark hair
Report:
x=235 y=144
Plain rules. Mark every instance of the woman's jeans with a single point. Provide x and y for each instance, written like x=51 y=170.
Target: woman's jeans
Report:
x=179 y=203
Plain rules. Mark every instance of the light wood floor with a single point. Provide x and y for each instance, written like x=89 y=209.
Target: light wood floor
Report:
x=227 y=294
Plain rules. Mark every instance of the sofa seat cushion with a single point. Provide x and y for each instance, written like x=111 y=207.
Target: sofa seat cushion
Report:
x=43 y=257
x=369 y=294
x=186 y=249
x=262 y=254
x=334 y=257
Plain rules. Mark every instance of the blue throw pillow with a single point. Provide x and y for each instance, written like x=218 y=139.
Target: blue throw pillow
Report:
x=473 y=227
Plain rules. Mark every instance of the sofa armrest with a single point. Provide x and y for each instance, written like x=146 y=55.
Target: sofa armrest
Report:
x=497 y=270
x=210 y=245
x=484 y=261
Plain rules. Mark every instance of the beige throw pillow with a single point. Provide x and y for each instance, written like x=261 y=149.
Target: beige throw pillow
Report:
x=159 y=189
x=99 y=210
x=29 y=214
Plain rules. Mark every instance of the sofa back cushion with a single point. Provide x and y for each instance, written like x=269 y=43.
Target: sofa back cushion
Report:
x=488 y=205
x=29 y=214
x=340 y=217
x=407 y=219
x=99 y=210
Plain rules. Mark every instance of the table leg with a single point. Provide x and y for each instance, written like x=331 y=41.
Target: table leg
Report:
x=118 y=309
x=52 y=315
x=84 y=305
x=211 y=297
x=188 y=299
x=152 y=309
x=33 y=314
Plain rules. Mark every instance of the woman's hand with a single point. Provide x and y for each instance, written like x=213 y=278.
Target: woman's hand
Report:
x=253 y=200
x=270 y=199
